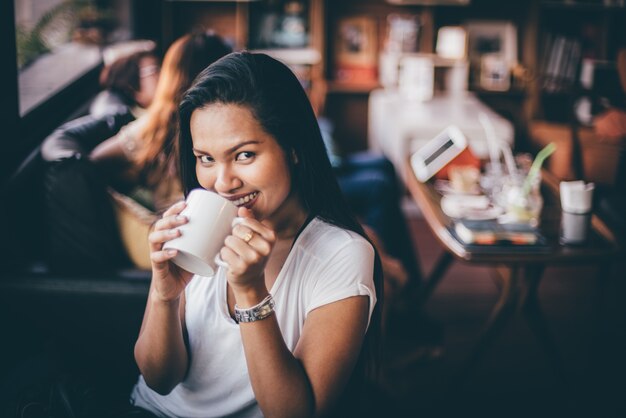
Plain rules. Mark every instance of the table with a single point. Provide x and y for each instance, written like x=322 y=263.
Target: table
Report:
x=398 y=126
x=519 y=272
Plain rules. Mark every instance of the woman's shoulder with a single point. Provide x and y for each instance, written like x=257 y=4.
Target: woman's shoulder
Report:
x=334 y=263
x=326 y=239
x=108 y=103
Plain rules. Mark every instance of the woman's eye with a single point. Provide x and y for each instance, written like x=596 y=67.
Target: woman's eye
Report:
x=205 y=159
x=245 y=155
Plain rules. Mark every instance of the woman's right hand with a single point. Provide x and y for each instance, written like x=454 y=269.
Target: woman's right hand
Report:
x=168 y=279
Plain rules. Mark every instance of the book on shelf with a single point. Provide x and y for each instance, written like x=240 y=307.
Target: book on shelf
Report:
x=560 y=61
x=490 y=232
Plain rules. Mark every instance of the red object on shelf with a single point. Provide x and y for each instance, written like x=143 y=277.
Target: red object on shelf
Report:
x=356 y=74
x=466 y=157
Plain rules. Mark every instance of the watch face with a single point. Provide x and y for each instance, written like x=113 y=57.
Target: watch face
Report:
x=438 y=152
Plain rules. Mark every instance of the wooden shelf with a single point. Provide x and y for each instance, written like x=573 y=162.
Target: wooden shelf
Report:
x=512 y=92
x=580 y=5
x=212 y=1
x=305 y=56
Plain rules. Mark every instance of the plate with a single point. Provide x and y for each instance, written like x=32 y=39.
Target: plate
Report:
x=469 y=207
x=444 y=187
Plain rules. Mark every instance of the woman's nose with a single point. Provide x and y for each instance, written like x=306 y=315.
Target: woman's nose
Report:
x=227 y=180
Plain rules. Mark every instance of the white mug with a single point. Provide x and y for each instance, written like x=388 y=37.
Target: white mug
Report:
x=211 y=219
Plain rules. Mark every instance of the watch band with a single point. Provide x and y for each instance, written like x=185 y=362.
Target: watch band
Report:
x=257 y=312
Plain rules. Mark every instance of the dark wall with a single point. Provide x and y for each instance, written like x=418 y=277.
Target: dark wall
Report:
x=9 y=110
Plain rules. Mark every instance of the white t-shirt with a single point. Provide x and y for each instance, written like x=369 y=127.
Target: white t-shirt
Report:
x=326 y=264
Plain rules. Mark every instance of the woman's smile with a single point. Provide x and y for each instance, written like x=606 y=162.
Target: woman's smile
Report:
x=246 y=201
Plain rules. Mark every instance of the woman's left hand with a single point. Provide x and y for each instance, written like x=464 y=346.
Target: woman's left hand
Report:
x=247 y=250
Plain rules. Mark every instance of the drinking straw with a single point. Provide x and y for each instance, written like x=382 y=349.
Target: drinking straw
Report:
x=536 y=166
x=508 y=158
x=492 y=142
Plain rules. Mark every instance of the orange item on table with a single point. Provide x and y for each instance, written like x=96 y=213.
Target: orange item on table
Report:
x=466 y=157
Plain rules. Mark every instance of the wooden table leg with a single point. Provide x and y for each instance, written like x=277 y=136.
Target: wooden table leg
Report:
x=602 y=279
x=438 y=272
x=599 y=332
x=500 y=316
x=533 y=313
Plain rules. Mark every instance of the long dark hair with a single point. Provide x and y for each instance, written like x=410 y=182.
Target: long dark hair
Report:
x=183 y=61
x=275 y=97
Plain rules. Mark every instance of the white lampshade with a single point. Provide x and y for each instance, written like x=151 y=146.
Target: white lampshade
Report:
x=451 y=42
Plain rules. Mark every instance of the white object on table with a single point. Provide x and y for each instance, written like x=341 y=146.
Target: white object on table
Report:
x=576 y=196
x=398 y=126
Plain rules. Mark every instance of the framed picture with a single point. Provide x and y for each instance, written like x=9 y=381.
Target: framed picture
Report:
x=491 y=37
x=495 y=74
x=356 y=50
x=492 y=53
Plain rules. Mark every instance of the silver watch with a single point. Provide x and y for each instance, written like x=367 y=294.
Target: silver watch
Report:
x=257 y=312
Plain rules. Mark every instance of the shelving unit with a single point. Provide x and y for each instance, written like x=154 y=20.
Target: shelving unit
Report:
x=377 y=12
x=567 y=33
x=238 y=22
x=346 y=104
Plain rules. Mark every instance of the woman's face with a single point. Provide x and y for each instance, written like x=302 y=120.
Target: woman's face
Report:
x=238 y=159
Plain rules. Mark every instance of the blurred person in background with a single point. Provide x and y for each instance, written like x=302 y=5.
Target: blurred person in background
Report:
x=129 y=85
x=133 y=156
x=373 y=191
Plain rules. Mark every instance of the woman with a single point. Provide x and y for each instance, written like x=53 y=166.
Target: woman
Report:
x=129 y=85
x=248 y=133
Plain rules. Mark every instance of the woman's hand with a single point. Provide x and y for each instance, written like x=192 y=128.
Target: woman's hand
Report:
x=168 y=279
x=246 y=251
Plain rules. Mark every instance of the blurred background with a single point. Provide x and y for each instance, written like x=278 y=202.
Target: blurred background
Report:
x=543 y=71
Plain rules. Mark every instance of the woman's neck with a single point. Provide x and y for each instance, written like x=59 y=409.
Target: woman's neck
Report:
x=289 y=221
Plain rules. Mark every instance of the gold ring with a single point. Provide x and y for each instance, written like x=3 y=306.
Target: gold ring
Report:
x=247 y=237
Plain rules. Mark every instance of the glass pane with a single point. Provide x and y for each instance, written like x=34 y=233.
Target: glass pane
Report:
x=57 y=42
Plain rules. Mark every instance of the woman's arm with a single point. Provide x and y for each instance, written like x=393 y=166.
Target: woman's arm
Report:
x=160 y=351
x=309 y=381
x=110 y=150
x=114 y=157
x=81 y=135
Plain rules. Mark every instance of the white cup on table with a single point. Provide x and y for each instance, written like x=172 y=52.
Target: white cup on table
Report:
x=211 y=219
x=576 y=204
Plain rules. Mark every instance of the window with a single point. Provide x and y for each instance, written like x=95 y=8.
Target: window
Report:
x=58 y=41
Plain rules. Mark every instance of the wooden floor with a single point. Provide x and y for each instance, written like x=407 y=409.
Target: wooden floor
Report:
x=515 y=377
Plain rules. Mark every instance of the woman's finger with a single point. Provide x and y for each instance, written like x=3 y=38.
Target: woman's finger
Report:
x=244 y=232
x=252 y=252
x=163 y=256
x=253 y=239
x=176 y=208
x=239 y=247
x=231 y=258
x=252 y=225
x=157 y=238
x=170 y=222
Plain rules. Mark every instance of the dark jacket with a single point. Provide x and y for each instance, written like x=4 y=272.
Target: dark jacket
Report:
x=82 y=232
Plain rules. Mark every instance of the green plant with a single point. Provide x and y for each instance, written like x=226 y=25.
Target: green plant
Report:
x=56 y=27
